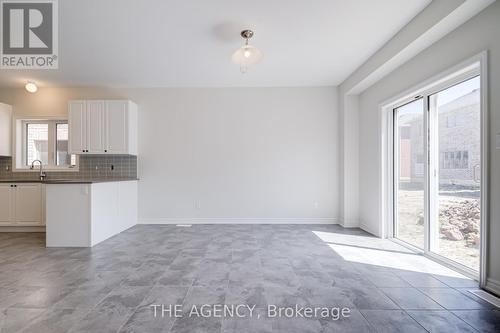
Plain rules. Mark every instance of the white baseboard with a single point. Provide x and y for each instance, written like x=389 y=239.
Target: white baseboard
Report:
x=493 y=286
x=348 y=224
x=368 y=229
x=236 y=220
x=22 y=229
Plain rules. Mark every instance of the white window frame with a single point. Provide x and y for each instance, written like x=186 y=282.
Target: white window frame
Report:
x=386 y=144
x=19 y=145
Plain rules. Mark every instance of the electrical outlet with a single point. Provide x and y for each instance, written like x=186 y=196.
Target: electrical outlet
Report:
x=498 y=141
x=316 y=204
x=197 y=204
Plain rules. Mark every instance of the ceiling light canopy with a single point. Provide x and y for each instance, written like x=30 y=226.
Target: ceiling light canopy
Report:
x=247 y=55
x=31 y=87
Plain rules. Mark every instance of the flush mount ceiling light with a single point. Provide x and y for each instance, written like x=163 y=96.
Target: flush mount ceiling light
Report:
x=31 y=87
x=247 y=55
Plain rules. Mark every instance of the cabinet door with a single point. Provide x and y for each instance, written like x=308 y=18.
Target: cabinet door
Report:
x=117 y=127
x=5 y=125
x=6 y=204
x=77 y=127
x=95 y=127
x=28 y=204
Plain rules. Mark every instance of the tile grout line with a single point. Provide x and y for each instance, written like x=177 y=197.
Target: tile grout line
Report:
x=183 y=300
x=134 y=310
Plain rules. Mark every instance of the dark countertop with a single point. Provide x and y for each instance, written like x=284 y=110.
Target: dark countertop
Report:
x=67 y=181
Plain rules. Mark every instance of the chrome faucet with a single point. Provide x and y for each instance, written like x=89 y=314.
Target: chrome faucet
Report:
x=42 y=173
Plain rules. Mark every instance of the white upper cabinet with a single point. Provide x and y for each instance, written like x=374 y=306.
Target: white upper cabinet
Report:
x=5 y=132
x=95 y=127
x=103 y=127
x=77 y=127
x=116 y=120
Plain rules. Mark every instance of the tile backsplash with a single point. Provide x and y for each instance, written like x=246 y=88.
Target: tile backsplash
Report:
x=90 y=167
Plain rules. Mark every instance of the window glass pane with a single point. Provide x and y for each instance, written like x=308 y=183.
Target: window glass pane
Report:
x=62 y=156
x=37 y=145
x=458 y=158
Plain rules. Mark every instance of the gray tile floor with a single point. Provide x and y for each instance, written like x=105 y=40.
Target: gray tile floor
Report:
x=110 y=287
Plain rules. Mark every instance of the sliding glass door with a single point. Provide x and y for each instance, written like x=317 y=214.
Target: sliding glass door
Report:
x=456 y=181
x=409 y=170
x=437 y=172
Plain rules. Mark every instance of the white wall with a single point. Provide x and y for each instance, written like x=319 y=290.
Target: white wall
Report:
x=478 y=34
x=239 y=153
x=236 y=154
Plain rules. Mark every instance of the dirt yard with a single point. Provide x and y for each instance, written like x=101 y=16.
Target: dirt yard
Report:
x=458 y=225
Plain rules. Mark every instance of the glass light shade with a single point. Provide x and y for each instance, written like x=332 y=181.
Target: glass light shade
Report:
x=31 y=87
x=246 y=55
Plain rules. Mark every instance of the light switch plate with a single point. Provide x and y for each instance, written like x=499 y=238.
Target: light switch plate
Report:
x=498 y=141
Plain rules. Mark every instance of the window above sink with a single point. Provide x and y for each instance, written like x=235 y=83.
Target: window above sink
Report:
x=44 y=139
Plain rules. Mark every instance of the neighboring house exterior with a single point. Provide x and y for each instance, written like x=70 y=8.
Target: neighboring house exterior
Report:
x=459 y=143
x=37 y=144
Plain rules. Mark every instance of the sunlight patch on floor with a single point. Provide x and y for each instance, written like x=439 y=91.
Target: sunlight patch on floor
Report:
x=363 y=241
x=382 y=253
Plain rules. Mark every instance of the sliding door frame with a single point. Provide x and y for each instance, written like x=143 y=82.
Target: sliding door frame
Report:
x=474 y=66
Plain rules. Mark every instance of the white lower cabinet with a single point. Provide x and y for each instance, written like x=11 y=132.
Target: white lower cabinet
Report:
x=6 y=204
x=90 y=214
x=21 y=204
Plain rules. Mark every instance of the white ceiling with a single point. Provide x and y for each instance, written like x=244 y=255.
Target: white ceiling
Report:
x=188 y=43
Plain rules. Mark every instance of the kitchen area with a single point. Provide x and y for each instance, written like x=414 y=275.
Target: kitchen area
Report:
x=74 y=177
